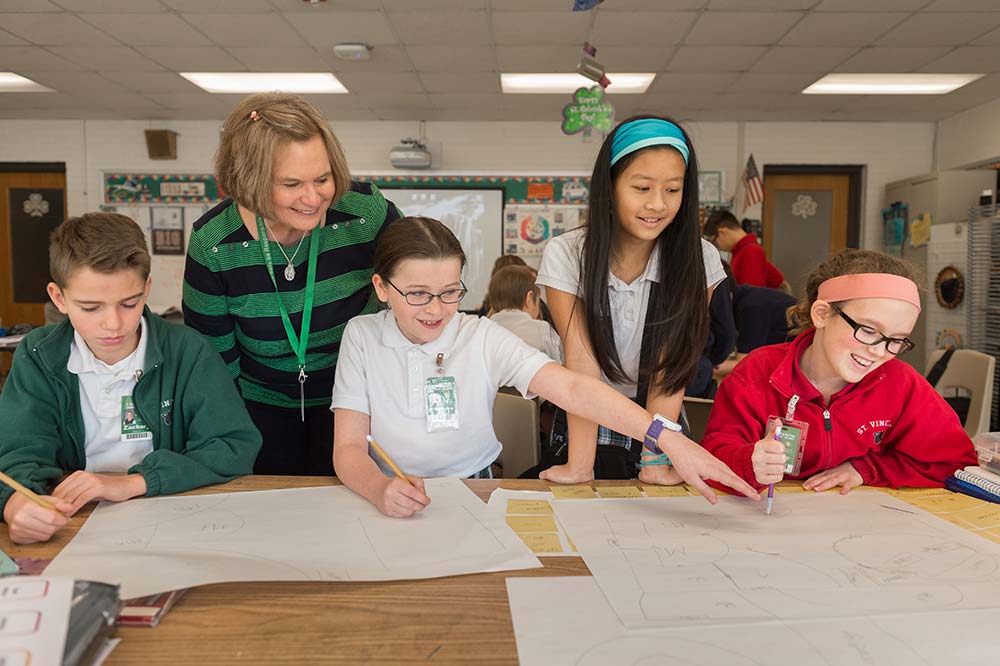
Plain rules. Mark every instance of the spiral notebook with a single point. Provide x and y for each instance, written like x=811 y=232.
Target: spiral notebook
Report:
x=982 y=478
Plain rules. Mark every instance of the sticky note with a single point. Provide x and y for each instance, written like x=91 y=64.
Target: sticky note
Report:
x=618 y=491
x=986 y=516
x=665 y=491
x=542 y=542
x=532 y=523
x=944 y=503
x=791 y=487
x=528 y=506
x=572 y=492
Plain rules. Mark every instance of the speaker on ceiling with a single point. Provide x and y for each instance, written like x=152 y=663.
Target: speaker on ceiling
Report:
x=161 y=144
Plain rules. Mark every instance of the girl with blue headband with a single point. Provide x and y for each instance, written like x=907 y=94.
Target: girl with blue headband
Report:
x=629 y=296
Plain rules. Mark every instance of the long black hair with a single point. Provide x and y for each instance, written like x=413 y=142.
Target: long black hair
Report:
x=678 y=316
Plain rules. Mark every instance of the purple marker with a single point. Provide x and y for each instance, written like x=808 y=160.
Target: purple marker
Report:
x=770 y=488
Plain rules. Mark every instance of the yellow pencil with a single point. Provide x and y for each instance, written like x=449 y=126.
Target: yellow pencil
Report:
x=27 y=492
x=388 y=461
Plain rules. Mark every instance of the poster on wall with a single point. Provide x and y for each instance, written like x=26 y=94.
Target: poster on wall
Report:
x=528 y=228
x=167 y=227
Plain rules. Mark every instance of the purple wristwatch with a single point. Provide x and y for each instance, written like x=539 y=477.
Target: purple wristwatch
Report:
x=655 y=428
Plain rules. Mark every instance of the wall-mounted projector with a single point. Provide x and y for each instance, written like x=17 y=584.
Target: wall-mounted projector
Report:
x=410 y=154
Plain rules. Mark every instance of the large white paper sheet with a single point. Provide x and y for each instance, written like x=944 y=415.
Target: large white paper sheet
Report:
x=682 y=562
x=546 y=544
x=153 y=545
x=568 y=622
x=34 y=616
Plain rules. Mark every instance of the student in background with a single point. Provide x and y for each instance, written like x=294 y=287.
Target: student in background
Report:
x=871 y=418
x=421 y=378
x=275 y=272
x=638 y=271
x=503 y=261
x=750 y=266
x=761 y=317
x=516 y=302
x=135 y=405
x=721 y=341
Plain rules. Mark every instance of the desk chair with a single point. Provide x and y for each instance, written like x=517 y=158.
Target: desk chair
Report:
x=515 y=421
x=697 y=411
x=972 y=371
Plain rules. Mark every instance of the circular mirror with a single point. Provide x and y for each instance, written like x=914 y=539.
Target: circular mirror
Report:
x=949 y=287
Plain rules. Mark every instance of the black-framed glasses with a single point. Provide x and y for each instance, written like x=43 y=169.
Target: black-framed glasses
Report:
x=448 y=296
x=871 y=337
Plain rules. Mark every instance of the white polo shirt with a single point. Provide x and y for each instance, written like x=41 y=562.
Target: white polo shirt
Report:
x=382 y=374
x=560 y=269
x=101 y=389
x=536 y=332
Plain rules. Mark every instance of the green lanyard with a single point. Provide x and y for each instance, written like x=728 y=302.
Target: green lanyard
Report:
x=299 y=345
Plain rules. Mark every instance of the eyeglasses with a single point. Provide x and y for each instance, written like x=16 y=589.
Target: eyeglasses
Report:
x=871 y=337
x=449 y=296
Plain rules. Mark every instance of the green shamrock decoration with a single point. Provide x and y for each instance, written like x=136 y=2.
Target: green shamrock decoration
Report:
x=588 y=111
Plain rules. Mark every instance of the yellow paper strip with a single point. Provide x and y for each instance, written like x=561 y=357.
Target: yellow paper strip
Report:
x=528 y=506
x=572 y=492
x=618 y=491
x=532 y=523
x=665 y=491
x=542 y=542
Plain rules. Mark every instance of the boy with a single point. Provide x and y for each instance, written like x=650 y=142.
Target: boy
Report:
x=750 y=266
x=135 y=405
x=516 y=304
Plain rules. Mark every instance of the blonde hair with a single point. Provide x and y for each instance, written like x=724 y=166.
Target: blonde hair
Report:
x=253 y=133
x=509 y=286
x=845 y=262
x=102 y=242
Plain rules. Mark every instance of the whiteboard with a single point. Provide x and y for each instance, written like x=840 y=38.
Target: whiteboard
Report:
x=476 y=218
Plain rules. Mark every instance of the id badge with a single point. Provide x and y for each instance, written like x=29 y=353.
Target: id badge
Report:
x=793 y=436
x=133 y=427
x=441 y=403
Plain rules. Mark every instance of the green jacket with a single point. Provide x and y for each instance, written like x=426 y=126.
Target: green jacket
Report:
x=202 y=433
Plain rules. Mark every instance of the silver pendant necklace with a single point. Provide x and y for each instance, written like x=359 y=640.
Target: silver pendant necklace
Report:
x=289 y=268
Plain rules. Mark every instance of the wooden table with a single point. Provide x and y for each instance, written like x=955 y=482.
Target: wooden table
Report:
x=455 y=620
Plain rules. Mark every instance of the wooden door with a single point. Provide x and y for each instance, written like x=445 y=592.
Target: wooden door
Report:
x=805 y=221
x=31 y=206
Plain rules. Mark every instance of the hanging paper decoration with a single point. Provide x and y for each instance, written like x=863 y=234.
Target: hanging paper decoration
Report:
x=588 y=111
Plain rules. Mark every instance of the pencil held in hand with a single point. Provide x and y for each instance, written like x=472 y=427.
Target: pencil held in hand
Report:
x=388 y=461
x=27 y=492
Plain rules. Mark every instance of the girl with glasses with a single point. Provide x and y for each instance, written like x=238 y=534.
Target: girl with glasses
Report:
x=871 y=418
x=421 y=379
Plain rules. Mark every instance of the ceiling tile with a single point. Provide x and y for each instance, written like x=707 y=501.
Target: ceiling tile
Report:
x=402 y=82
x=457 y=58
x=640 y=28
x=329 y=6
x=530 y=28
x=327 y=29
x=715 y=59
x=881 y=59
x=280 y=59
x=103 y=6
x=869 y=6
x=649 y=5
x=7 y=39
x=967 y=59
x=934 y=29
x=153 y=82
x=467 y=101
x=467 y=82
x=989 y=39
x=529 y=6
x=463 y=28
x=682 y=84
x=198 y=101
x=666 y=102
x=741 y=28
x=16 y=6
x=538 y=58
x=380 y=59
x=246 y=29
x=962 y=6
x=35 y=58
x=801 y=59
x=772 y=83
x=842 y=29
x=197 y=59
x=216 y=6
x=635 y=58
x=148 y=29
x=107 y=58
x=77 y=83
x=745 y=5
x=55 y=30
x=435 y=5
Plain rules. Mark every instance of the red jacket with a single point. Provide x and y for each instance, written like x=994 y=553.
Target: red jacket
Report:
x=750 y=266
x=892 y=426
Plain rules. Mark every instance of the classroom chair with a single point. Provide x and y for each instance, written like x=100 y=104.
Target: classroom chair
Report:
x=515 y=421
x=971 y=371
x=697 y=411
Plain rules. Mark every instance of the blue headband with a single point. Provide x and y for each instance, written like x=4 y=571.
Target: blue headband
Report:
x=644 y=132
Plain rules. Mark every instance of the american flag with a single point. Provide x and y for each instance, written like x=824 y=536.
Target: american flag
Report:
x=753 y=186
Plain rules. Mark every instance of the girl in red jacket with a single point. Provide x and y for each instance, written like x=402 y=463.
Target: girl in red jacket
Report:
x=871 y=419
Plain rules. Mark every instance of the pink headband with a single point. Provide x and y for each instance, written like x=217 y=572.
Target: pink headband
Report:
x=869 y=285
